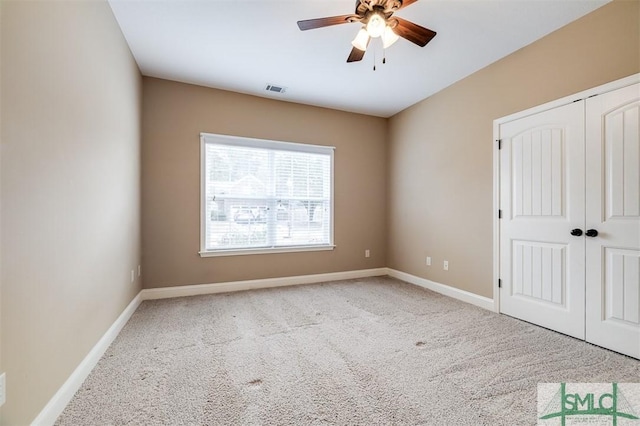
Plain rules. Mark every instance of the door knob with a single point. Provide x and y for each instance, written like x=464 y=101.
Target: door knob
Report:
x=591 y=233
x=576 y=232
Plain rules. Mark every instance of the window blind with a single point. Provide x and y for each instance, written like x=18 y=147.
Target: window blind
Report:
x=260 y=194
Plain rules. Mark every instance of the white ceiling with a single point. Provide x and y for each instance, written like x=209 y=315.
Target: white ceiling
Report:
x=243 y=45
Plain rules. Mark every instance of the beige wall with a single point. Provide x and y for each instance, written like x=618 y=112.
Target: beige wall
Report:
x=440 y=150
x=70 y=181
x=174 y=114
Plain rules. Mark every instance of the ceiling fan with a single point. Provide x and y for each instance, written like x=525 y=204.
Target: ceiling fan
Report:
x=376 y=18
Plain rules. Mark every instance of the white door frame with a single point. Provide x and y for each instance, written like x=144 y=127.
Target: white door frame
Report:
x=618 y=84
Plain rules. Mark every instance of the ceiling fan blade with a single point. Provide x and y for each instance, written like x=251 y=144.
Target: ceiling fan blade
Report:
x=355 y=55
x=311 y=24
x=413 y=32
x=406 y=3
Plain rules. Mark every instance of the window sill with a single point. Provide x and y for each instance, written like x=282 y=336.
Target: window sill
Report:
x=241 y=252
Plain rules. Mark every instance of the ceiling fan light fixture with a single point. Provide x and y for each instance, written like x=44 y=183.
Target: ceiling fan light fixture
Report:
x=376 y=18
x=389 y=37
x=362 y=40
x=376 y=25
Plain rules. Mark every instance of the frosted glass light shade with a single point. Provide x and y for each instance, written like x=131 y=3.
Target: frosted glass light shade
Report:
x=376 y=25
x=362 y=40
x=389 y=37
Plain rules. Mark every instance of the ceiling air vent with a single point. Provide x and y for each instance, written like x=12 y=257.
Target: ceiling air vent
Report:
x=276 y=89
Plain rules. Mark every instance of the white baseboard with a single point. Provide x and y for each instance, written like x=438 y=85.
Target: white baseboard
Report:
x=57 y=404
x=465 y=296
x=198 y=289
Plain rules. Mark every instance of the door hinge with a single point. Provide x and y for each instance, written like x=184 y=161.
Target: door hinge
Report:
x=499 y=143
x=499 y=283
x=499 y=214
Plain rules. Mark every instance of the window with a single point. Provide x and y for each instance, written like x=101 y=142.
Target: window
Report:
x=261 y=196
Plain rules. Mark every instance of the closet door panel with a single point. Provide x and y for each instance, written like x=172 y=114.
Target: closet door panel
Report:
x=613 y=210
x=542 y=200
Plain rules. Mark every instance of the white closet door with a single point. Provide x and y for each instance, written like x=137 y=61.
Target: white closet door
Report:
x=613 y=210
x=542 y=200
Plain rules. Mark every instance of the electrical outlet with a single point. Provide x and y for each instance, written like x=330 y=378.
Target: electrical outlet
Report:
x=445 y=265
x=367 y=253
x=133 y=277
x=428 y=260
x=3 y=389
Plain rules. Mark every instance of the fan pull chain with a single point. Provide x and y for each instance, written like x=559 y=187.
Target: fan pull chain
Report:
x=384 y=55
x=374 y=60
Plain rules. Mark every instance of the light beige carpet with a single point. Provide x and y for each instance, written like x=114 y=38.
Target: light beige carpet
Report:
x=362 y=352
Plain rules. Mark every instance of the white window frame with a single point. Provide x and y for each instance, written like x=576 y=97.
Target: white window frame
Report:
x=206 y=138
